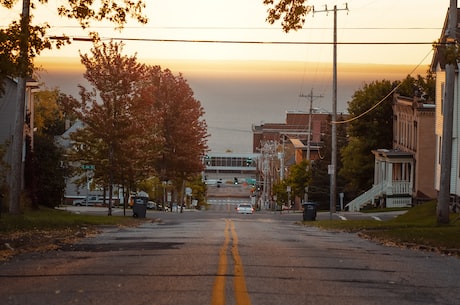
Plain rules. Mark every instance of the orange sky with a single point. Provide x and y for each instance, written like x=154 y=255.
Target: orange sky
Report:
x=237 y=94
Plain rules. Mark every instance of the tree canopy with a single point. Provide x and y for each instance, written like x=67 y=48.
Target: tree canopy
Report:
x=292 y=13
x=45 y=171
x=115 y=11
x=374 y=130
x=21 y=41
x=139 y=121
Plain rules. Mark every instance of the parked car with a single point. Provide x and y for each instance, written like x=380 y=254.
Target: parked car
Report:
x=92 y=200
x=245 y=209
x=151 y=205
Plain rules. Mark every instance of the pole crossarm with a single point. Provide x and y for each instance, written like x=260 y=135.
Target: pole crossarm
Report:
x=327 y=11
x=312 y=98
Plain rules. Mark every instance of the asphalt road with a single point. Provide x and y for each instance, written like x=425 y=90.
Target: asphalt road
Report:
x=220 y=257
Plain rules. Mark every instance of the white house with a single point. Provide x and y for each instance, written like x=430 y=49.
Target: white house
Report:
x=438 y=67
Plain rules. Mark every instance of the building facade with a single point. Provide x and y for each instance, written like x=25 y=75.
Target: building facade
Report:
x=438 y=66
x=413 y=132
x=301 y=135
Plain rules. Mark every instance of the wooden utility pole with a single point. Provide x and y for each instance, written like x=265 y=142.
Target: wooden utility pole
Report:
x=447 y=125
x=333 y=166
x=312 y=98
x=17 y=146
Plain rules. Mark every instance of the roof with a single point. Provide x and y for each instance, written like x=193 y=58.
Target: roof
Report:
x=392 y=153
x=64 y=139
x=297 y=143
x=438 y=57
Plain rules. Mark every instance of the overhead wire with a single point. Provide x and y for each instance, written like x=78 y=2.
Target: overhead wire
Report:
x=383 y=99
x=76 y=38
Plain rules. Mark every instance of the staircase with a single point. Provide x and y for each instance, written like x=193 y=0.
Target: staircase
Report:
x=356 y=204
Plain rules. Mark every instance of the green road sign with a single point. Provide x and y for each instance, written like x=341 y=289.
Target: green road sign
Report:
x=88 y=167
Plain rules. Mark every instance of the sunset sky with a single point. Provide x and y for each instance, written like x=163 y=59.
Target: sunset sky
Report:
x=369 y=21
x=249 y=58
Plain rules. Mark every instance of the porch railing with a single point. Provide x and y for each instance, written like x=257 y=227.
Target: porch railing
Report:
x=369 y=196
x=400 y=188
x=395 y=188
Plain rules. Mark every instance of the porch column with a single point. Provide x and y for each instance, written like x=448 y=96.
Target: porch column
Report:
x=376 y=171
x=412 y=176
x=389 y=182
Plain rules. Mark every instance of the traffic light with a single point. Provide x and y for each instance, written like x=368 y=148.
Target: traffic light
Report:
x=248 y=161
x=235 y=180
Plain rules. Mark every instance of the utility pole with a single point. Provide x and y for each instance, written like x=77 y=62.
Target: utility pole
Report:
x=312 y=97
x=333 y=167
x=447 y=125
x=17 y=146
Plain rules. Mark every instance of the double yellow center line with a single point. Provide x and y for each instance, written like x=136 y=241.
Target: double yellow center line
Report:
x=239 y=282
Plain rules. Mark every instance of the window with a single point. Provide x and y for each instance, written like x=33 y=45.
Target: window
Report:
x=439 y=149
x=442 y=97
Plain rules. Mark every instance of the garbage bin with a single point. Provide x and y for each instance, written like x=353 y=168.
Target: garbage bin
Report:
x=139 y=207
x=309 y=211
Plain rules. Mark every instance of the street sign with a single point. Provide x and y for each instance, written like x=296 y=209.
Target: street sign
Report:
x=88 y=167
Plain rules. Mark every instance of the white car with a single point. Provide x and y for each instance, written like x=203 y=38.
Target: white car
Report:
x=245 y=209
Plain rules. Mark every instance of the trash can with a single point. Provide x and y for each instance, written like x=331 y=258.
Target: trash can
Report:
x=309 y=211
x=139 y=207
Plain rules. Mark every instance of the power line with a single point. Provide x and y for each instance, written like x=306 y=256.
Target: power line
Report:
x=248 y=28
x=82 y=38
x=383 y=99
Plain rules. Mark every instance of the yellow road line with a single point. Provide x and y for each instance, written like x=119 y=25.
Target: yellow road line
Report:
x=218 y=292
x=239 y=282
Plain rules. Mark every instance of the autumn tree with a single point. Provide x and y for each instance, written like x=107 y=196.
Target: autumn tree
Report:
x=20 y=42
x=21 y=31
x=291 y=12
x=181 y=123
x=119 y=137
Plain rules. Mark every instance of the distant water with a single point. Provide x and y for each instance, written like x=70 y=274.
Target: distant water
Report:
x=236 y=97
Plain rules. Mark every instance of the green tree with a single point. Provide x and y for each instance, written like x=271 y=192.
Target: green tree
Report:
x=280 y=191
x=319 y=190
x=371 y=131
x=4 y=169
x=45 y=172
x=373 y=128
x=299 y=178
x=199 y=190
x=420 y=86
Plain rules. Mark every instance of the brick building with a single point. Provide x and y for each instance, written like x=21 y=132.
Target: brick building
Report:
x=294 y=134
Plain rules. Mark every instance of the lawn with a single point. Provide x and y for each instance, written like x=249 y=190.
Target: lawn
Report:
x=416 y=229
x=47 y=229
